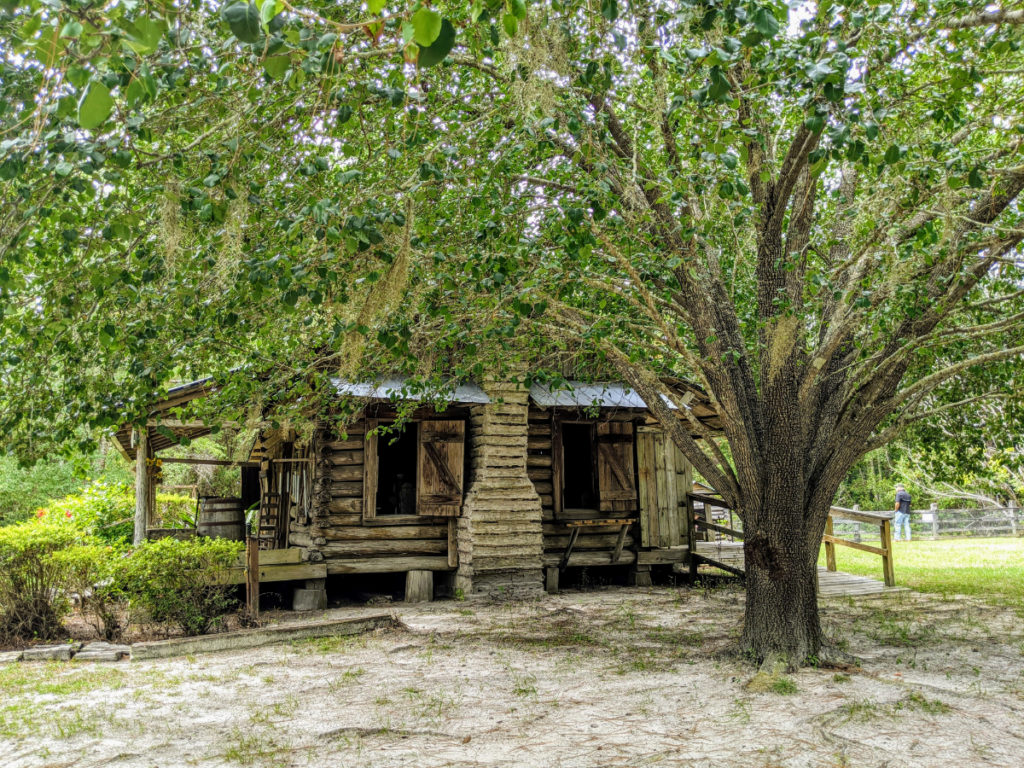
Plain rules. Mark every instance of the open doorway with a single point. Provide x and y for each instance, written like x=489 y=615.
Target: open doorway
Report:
x=579 y=467
x=396 y=472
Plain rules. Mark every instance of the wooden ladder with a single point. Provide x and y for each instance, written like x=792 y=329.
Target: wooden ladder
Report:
x=270 y=509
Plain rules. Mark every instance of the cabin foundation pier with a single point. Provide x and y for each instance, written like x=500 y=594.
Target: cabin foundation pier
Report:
x=499 y=534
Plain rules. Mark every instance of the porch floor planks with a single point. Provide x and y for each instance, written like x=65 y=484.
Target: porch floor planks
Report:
x=830 y=583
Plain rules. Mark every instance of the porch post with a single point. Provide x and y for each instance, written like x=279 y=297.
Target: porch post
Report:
x=142 y=494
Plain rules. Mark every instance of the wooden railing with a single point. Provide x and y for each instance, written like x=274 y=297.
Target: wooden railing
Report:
x=704 y=522
x=884 y=523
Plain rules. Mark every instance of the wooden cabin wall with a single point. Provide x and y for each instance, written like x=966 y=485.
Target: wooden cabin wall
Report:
x=594 y=545
x=337 y=533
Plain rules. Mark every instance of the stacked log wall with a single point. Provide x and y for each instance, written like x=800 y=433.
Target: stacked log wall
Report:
x=338 y=534
x=499 y=534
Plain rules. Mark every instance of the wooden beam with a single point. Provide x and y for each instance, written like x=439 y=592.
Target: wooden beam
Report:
x=209 y=462
x=141 y=486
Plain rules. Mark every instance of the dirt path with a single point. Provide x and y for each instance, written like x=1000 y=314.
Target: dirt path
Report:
x=624 y=677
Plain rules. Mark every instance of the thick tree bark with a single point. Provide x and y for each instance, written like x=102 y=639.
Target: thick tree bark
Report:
x=781 y=616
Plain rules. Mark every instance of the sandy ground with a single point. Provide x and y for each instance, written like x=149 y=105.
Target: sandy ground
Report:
x=616 y=677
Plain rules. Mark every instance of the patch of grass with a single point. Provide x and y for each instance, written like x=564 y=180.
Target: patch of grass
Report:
x=252 y=748
x=858 y=711
x=992 y=569
x=345 y=679
x=773 y=682
x=916 y=702
x=328 y=644
x=840 y=677
x=523 y=684
x=58 y=678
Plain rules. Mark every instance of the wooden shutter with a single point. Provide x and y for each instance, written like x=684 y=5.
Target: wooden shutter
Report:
x=616 y=483
x=442 y=450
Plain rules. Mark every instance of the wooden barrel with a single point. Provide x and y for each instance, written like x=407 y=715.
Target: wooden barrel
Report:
x=221 y=518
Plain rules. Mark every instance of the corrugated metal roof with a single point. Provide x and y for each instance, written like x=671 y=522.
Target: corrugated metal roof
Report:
x=399 y=389
x=600 y=394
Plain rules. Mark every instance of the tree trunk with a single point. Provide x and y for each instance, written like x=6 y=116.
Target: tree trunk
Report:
x=781 y=619
x=781 y=551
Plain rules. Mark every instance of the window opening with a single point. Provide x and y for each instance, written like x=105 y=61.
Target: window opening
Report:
x=579 y=477
x=396 y=472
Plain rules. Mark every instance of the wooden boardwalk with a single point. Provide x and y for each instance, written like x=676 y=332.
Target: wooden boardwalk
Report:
x=830 y=583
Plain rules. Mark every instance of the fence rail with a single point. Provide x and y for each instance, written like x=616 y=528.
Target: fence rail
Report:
x=937 y=523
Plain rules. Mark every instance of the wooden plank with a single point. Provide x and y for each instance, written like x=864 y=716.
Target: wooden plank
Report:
x=351 y=473
x=348 y=505
x=453 y=543
x=875 y=518
x=209 y=462
x=721 y=529
x=600 y=522
x=853 y=545
x=274 y=556
x=369 y=489
x=353 y=444
x=830 y=547
x=354 y=490
x=887 y=567
x=557 y=485
x=338 y=458
x=379 y=532
x=252 y=579
x=286 y=572
x=594 y=558
x=387 y=564
x=381 y=547
x=646 y=486
x=662 y=556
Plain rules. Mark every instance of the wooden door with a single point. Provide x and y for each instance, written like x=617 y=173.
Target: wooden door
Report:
x=616 y=481
x=441 y=456
x=665 y=476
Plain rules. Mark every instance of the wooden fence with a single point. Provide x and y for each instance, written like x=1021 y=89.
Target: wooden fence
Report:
x=935 y=523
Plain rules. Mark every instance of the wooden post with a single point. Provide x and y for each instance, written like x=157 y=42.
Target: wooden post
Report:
x=1013 y=520
x=856 y=526
x=551 y=580
x=830 y=548
x=691 y=538
x=887 y=569
x=252 y=577
x=142 y=495
x=419 y=586
x=934 y=509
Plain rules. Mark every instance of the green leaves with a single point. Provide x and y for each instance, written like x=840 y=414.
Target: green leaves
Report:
x=143 y=34
x=95 y=105
x=375 y=6
x=435 y=53
x=764 y=21
x=426 y=27
x=244 y=20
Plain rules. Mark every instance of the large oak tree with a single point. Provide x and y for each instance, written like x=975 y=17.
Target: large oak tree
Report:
x=811 y=212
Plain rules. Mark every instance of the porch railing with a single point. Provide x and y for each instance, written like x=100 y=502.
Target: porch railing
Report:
x=880 y=519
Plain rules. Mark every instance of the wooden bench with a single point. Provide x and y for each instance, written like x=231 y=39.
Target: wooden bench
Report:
x=574 y=526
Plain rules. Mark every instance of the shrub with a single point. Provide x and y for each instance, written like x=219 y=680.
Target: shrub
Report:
x=107 y=511
x=97 y=573
x=33 y=581
x=183 y=582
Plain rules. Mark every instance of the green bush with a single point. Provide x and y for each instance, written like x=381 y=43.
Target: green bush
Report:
x=107 y=511
x=34 y=581
x=97 y=573
x=183 y=582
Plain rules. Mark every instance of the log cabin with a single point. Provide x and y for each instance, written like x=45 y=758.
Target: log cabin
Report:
x=496 y=493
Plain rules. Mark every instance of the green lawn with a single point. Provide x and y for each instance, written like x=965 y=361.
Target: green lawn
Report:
x=989 y=568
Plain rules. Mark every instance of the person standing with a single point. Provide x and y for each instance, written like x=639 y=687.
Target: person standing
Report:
x=902 y=512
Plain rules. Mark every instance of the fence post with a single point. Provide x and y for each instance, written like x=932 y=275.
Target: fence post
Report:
x=934 y=509
x=887 y=569
x=830 y=548
x=252 y=577
x=1013 y=520
x=856 y=526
